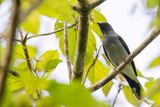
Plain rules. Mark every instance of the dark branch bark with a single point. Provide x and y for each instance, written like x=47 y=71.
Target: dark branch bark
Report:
x=9 y=48
x=84 y=8
x=152 y=35
x=67 y=51
x=81 y=46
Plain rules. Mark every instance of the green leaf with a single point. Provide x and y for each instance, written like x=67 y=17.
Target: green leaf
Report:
x=45 y=58
x=65 y=95
x=21 y=100
x=152 y=87
x=106 y=88
x=97 y=16
x=155 y=63
x=1 y=1
x=130 y=96
x=152 y=3
x=51 y=64
x=60 y=9
x=18 y=51
x=95 y=28
x=153 y=92
x=97 y=72
x=31 y=23
x=91 y=47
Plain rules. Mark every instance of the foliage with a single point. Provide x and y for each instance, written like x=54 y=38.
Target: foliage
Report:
x=32 y=85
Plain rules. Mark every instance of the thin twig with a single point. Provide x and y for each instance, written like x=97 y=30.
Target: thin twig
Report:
x=46 y=34
x=9 y=48
x=14 y=73
x=93 y=63
x=151 y=36
x=67 y=51
x=119 y=89
x=26 y=50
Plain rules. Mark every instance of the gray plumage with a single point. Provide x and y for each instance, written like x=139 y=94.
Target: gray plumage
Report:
x=116 y=51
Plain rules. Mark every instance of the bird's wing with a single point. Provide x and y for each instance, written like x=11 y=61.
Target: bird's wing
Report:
x=127 y=49
x=108 y=56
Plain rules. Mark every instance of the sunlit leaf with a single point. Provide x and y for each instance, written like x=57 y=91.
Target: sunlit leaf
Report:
x=130 y=96
x=21 y=100
x=97 y=72
x=97 y=16
x=153 y=92
x=95 y=28
x=18 y=51
x=106 y=88
x=152 y=3
x=72 y=1
x=155 y=62
x=45 y=58
x=31 y=24
x=91 y=47
x=51 y=64
x=65 y=95
x=60 y=9
x=1 y=1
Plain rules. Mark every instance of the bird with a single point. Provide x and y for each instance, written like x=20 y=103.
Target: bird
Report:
x=116 y=50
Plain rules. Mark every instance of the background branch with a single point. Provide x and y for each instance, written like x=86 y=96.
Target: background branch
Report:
x=9 y=47
x=66 y=50
x=119 y=89
x=93 y=63
x=46 y=34
x=151 y=36
x=25 y=50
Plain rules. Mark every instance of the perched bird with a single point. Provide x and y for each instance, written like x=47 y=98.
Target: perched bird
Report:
x=116 y=51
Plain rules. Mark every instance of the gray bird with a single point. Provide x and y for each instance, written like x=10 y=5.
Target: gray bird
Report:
x=116 y=51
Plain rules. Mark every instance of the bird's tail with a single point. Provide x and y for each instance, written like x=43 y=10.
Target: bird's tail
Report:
x=135 y=86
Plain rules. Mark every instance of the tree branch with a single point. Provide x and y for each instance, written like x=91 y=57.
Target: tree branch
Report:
x=82 y=40
x=151 y=36
x=93 y=63
x=96 y=3
x=9 y=48
x=67 y=51
x=25 y=50
x=46 y=34
x=119 y=89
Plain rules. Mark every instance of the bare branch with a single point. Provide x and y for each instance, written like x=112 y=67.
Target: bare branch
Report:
x=93 y=63
x=67 y=51
x=47 y=34
x=14 y=73
x=82 y=40
x=9 y=48
x=119 y=89
x=96 y=3
x=151 y=36
x=25 y=50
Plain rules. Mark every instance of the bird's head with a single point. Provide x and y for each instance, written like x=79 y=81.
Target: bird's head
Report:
x=105 y=27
